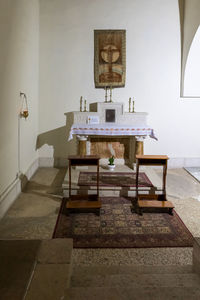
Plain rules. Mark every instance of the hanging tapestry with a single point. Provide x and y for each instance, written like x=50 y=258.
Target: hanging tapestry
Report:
x=109 y=58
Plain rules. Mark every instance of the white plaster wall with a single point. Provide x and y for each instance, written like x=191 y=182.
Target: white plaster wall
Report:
x=191 y=49
x=19 y=53
x=192 y=70
x=153 y=70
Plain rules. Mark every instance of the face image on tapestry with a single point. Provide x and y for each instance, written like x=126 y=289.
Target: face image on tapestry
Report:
x=109 y=58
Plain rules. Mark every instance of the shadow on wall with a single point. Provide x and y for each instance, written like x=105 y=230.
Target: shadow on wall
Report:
x=58 y=139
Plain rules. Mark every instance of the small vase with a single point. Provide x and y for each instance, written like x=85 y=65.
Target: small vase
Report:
x=111 y=167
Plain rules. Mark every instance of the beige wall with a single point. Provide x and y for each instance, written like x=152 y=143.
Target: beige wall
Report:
x=19 y=39
x=153 y=70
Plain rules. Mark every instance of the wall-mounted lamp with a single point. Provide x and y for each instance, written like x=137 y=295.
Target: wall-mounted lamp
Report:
x=24 y=106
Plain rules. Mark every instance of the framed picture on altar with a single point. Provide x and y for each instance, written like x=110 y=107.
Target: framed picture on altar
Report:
x=109 y=58
x=110 y=115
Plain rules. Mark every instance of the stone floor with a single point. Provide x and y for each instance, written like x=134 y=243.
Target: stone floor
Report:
x=35 y=269
x=194 y=171
x=34 y=214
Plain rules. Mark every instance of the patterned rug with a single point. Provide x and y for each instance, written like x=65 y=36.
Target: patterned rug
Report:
x=114 y=179
x=117 y=227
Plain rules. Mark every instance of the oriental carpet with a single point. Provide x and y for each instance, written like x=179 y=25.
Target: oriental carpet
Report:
x=123 y=179
x=118 y=227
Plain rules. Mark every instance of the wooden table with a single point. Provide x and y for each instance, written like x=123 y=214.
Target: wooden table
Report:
x=86 y=203
x=157 y=201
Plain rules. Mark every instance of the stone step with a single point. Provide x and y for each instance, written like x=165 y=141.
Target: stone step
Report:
x=131 y=269
x=132 y=293
x=52 y=271
x=136 y=280
x=133 y=256
x=55 y=251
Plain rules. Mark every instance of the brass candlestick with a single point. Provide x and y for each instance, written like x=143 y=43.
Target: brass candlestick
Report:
x=81 y=103
x=106 y=94
x=111 y=94
x=129 y=105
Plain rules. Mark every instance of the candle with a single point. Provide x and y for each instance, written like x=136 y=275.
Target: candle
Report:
x=130 y=104
x=81 y=103
x=133 y=106
x=85 y=105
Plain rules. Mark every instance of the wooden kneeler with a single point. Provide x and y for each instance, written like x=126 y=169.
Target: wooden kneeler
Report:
x=152 y=202
x=83 y=203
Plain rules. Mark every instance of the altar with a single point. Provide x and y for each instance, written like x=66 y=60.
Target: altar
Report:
x=106 y=130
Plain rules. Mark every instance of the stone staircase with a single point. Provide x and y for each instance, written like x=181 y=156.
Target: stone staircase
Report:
x=97 y=282
x=49 y=274
x=133 y=282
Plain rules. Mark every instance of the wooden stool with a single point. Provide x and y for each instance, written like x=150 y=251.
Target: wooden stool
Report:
x=158 y=202
x=85 y=203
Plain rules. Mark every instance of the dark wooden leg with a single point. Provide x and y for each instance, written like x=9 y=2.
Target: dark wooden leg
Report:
x=67 y=211
x=134 y=208
x=98 y=212
x=137 y=176
x=98 y=180
x=70 y=179
x=140 y=212
x=164 y=179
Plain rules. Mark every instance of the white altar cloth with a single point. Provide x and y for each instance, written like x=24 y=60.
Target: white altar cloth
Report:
x=110 y=130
